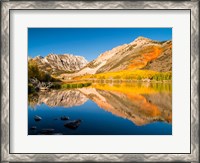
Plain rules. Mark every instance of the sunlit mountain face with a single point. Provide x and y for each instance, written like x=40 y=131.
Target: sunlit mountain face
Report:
x=140 y=54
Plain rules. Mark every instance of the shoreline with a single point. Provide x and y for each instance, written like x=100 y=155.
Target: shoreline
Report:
x=116 y=81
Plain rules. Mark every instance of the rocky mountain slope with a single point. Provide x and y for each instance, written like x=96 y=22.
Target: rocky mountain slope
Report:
x=58 y=64
x=142 y=53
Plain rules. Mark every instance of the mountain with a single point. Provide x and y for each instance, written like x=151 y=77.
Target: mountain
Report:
x=142 y=53
x=58 y=64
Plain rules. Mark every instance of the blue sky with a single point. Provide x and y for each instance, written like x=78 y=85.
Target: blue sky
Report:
x=87 y=42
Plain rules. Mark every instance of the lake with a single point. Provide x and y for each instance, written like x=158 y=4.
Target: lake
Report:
x=137 y=108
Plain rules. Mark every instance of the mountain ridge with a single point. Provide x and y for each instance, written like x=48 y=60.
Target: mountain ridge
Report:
x=142 y=53
x=62 y=63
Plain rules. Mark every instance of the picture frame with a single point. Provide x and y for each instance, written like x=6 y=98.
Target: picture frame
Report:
x=8 y=6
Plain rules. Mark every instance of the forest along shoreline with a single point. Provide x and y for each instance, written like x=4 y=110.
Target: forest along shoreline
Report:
x=35 y=85
x=39 y=80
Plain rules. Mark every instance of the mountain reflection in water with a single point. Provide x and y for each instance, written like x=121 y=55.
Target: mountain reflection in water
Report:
x=140 y=103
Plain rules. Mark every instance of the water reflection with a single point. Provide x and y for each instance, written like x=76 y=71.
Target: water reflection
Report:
x=66 y=98
x=141 y=103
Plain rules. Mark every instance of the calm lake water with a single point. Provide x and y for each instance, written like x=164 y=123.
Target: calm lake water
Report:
x=104 y=109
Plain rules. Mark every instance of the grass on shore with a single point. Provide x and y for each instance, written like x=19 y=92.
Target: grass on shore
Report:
x=75 y=85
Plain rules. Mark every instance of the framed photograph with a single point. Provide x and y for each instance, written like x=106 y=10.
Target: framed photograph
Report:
x=99 y=81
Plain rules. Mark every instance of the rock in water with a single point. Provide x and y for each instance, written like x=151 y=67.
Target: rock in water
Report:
x=64 y=118
x=73 y=124
x=37 y=118
x=47 y=131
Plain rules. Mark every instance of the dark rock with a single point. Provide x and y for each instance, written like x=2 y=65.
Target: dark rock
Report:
x=37 y=118
x=47 y=131
x=64 y=118
x=73 y=124
x=33 y=128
